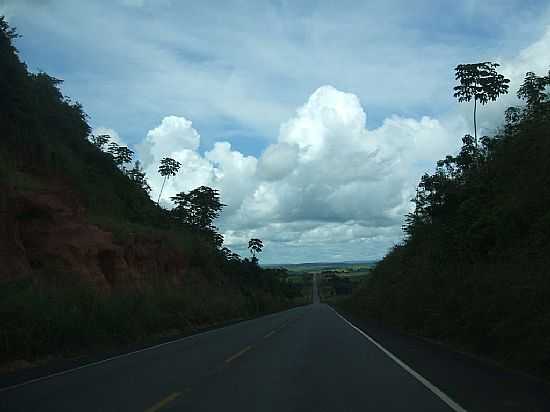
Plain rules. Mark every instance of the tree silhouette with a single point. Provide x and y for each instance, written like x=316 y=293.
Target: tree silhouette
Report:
x=198 y=208
x=235 y=257
x=112 y=149
x=480 y=82
x=137 y=176
x=10 y=33
x=100 y=140
x=168 y=167
x=255 y=246
x=121 y=154
x=533 y=89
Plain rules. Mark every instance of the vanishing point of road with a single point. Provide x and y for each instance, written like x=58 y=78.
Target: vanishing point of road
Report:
x=308 y=358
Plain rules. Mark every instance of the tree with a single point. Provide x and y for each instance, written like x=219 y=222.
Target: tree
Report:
x=121 y=154
x=100 y=140
x=168 y=167
x=235 y=257
x=10 y=33
x=480 y=82
x=226 y=253
x=512 y=116
x=137 y=176
x=533 y=90
x=229 y=255
x=255 y=246
x=198 y=208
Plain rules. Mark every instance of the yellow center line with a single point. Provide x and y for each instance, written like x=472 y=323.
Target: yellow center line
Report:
x=159 y=405
x=240 y=353
x=269 y=334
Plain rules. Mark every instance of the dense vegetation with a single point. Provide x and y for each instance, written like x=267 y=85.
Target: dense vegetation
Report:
x=473 y=269
x=45 y=138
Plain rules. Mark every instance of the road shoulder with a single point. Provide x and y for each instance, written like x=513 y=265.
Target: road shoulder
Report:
x=475 y=384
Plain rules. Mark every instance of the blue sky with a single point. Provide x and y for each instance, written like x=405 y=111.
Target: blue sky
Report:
x=251 y=73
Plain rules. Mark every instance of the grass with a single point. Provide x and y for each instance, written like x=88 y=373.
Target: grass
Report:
x=25 y=181
x=354 y=276
x=123 y=230
x=354 y=273
x=40 y=320
x=305 y=283
x=333 y=267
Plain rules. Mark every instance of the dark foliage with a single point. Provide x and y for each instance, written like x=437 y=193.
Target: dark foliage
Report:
x=479 y=81
x=198 y=208
x=121 y=154
x=474 y=267
x=137 y=176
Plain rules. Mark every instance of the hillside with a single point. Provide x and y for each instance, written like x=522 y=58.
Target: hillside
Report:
x=473 y=270
x=88 y=259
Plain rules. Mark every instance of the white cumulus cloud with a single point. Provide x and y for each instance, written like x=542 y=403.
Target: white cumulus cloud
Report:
x=327 y=181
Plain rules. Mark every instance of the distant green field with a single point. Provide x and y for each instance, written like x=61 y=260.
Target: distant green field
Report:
x=350 y=273
x=341 y=267
x=299 y=278
x=354 y=276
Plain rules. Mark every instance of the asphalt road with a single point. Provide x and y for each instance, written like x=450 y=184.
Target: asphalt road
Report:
x=303 y=359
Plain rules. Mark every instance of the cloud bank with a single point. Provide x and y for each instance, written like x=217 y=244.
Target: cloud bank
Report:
x=328 y=182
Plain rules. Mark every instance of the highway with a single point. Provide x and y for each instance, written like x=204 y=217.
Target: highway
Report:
x=304 y=359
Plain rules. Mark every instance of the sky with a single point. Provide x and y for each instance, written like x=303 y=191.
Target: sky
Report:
x=314 y=119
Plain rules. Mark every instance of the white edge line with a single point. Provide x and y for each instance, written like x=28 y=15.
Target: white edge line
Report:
x=124 y=355
x=438 y=392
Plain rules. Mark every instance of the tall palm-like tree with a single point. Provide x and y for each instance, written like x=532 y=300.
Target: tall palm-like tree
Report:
x=480 y=82
x=168 y=167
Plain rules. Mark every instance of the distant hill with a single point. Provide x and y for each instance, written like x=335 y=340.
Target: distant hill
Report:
x=320 y=266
